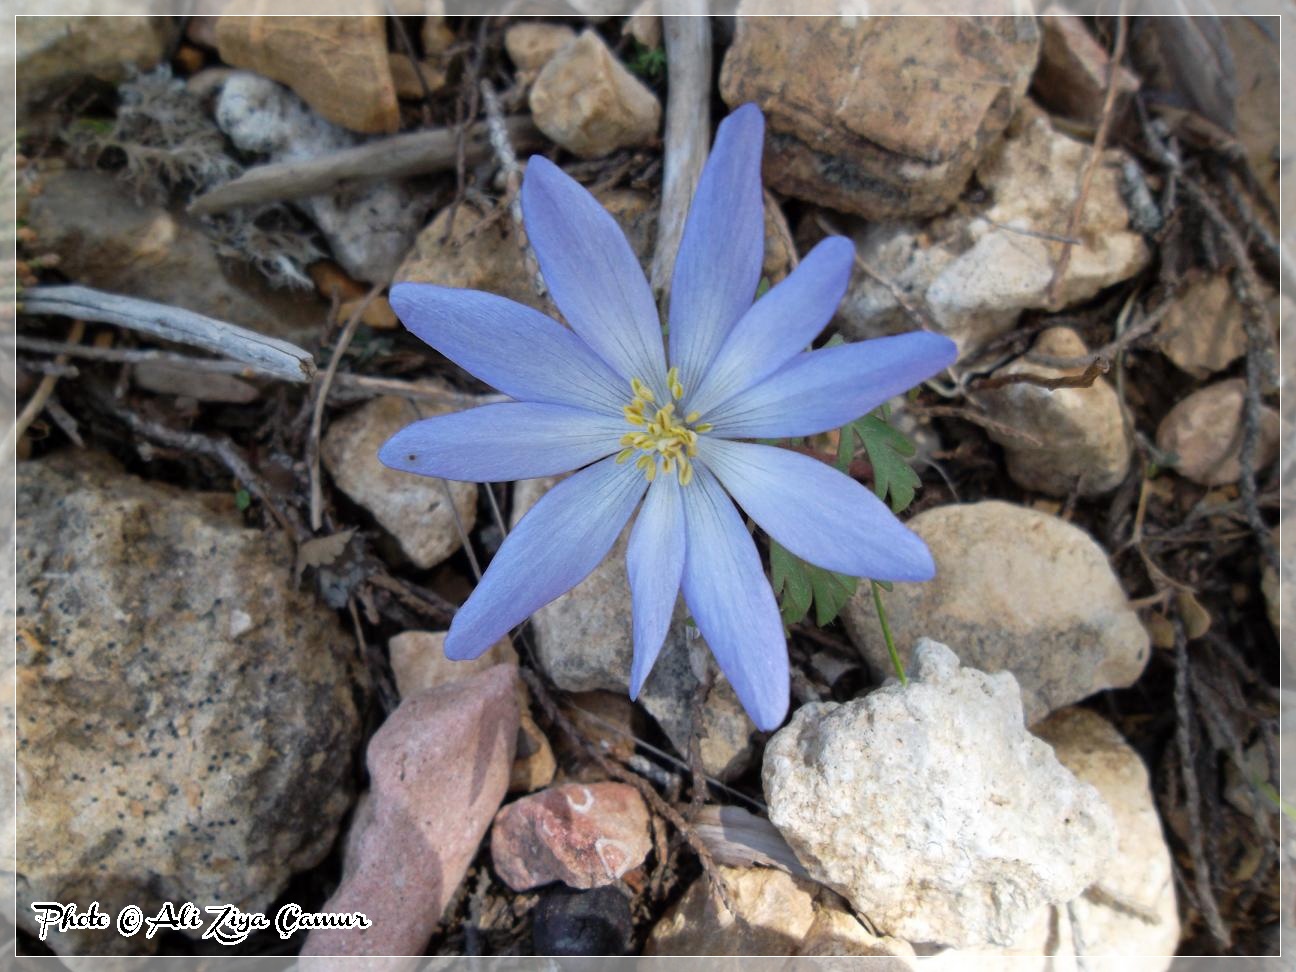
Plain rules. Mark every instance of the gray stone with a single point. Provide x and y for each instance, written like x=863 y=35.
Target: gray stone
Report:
x=187 y=718
x=369 y=227
x=932 y=809
x=585 y=641
x=55 y=54
x=1083 y=444
x=1017 y=590
x=413 y=509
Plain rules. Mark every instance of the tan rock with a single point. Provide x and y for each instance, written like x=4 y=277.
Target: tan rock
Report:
x=338 y=65
x=1203 y=332
x=56 y=53
x=376 y=313
x=1256 y=63
x=104 y=239
x=436 y=35
x=405 y=76
x=413 y=509
x=534 y=765
x=777 y=914
x=490 y=258
x=1072 y=75
x=531 y=44
x=1204 y=431
x=419 y=663
x=1017 y=590
x=1083 y=442
x=164 y=378
x=587 y=102
x=884 y=117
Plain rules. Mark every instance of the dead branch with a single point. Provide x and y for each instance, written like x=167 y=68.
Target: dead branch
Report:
x=1097 y=367
x=1091 y=166
x=268 y=355
x=688 y=131
x=36 y=404
x=413 y=153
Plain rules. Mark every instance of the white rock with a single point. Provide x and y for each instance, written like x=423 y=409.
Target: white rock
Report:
x=932 y=809
x=1083 y=442
x=977 y=272
x=1130 y=912
x=369 y=227
x=413 y=509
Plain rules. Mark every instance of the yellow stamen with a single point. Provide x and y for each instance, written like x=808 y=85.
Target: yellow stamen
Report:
x=661 y=439
x=673 y=382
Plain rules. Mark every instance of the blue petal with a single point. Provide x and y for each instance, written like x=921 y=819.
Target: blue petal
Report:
x=594 y=276
x=655 y=562
x=516 y=349
x=731 y=601
x=780 y=324
x=560 y=540
x=503 y=442
x=723 y=246
x=821 y=515
x=825 y=389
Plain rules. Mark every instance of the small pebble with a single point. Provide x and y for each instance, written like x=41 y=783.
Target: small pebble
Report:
x=567 y=922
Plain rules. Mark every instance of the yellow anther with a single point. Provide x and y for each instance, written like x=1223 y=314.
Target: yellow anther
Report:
x=673 y=382
x=641 y=390
x=704 y=428
x=663 y=441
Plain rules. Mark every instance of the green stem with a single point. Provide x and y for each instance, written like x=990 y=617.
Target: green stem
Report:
x=886 y=633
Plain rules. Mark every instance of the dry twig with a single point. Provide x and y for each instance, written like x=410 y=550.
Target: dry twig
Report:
x=40 y=397
x=1097 y=367
x=1091 y=166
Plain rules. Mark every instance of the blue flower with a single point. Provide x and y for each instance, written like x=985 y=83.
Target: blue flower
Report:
x=605 y=398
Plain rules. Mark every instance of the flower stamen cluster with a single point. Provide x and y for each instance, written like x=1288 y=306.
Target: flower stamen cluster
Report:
x=664 y=439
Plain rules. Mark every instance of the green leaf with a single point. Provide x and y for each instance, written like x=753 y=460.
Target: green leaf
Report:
x=887 y=451
x=802 y=585
x=762 y=287
x=648 y=62
x=242 y=500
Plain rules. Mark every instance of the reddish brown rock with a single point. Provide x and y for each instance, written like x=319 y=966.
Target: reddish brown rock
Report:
x=584 y=835
x=439 y=767
x=881 y=116
x=1072 y=74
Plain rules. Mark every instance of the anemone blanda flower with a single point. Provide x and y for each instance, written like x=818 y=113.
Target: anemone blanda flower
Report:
x=643 y=422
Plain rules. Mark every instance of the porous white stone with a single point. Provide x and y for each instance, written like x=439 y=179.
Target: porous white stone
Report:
x=932 y=809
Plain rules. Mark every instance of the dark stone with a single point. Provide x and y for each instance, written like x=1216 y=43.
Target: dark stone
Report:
x=595 y=922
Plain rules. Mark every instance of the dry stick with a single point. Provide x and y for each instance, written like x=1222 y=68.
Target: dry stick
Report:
x=321 y=398
x=688 y=131
x=1192 y=794
x=1091 y=166
x=137 y=356
x=267 y=354
x=418 y=598
x=1109 y=350
x=414 y=153
x=699 y=793
x=39 y=397
x=507 y=159
x=1259 y=366
x=540 y=692
x=1099 y=366
x=218 y=448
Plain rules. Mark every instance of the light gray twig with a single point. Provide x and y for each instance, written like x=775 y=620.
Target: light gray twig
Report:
x=413 y=153
x=267 y=354
x=688 y=131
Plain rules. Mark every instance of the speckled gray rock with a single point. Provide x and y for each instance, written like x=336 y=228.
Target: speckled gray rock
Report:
x=1017 y=590
x=369 y=227
x=584 y=641
x=413 y=509
x=932 y=809
x=1083 y=445
x=188 y=719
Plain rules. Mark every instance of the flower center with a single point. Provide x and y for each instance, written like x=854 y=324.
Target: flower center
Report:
x=661 y=438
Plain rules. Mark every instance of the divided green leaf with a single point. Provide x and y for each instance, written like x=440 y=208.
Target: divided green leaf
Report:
x=888 y=451
x=800 y=585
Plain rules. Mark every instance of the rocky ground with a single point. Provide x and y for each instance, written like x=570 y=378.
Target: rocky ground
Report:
x=230 y=615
